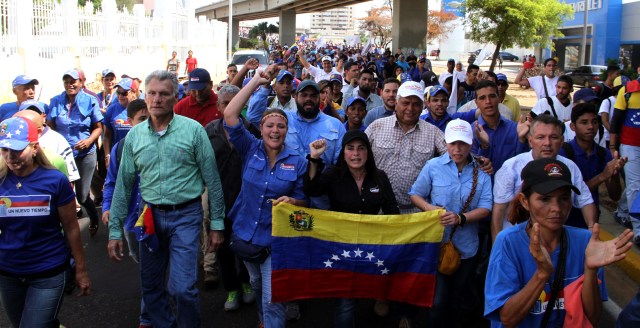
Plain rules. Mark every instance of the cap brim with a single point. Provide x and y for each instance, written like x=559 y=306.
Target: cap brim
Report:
x=547 y=187
x=14 y=144
x=197 y=85
x=449 y=140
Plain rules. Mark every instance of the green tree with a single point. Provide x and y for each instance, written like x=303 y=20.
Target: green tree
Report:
x=261 y=30
x=97 y=4
x=507 y=23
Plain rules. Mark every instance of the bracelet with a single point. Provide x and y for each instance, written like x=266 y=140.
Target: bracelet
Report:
x=314 y=160
x=463 y=219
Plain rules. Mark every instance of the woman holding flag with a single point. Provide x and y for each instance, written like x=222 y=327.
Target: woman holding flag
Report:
x=354 y=185
x=454 y=182
x=35 y=201
x=541 y=272
x=271 y=173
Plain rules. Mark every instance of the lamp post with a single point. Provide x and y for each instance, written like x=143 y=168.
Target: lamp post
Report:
x=230 y=37
x=583 y=46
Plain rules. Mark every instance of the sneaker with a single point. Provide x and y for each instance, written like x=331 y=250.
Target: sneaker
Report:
x=248 y=296
x=292 y=311
x=211 y=279
x=623 y=221
x=381 y=308
x=233 y=302
x=636 y=240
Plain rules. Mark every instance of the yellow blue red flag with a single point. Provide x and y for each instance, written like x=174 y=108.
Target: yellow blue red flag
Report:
x=325 y=254
x=145 y=229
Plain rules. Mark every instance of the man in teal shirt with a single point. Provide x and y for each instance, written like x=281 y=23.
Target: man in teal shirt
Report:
x=175 y=161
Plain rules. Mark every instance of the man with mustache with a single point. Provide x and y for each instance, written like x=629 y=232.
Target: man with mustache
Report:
x=202 y=103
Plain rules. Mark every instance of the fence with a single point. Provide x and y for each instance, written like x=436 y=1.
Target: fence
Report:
x=44 y=38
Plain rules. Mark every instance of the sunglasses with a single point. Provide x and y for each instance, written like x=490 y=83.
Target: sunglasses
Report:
x=123 y=93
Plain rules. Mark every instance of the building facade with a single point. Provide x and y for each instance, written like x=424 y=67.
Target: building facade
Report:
x=333 y=24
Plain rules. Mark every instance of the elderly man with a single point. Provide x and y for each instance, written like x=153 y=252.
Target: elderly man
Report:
x=202 y=103
x=544 y=86
x=545 y=139
x=24 y=88
x=175 y=162
x=318 y=74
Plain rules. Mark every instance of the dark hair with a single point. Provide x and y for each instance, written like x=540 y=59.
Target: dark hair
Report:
x=323 y=84
x=274 y=111
x=135 y=106
x=347 y=65
x=548 y=60
x=472 y=67
x=517 y=212
x=612 y=68
x=449 y=80
x=492 y=74
x=367 y=71
x=391 y=80
x=370 y=166
x=231 y=65
x=486 y=84
x=581 y=109
x=566 y=79
x=546 y=119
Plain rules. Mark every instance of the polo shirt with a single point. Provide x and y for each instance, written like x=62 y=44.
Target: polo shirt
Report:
x=589 y=166
x=442 y=123
x=8 y=109
x=203 y=114
x=503 y=142
x=514 y=105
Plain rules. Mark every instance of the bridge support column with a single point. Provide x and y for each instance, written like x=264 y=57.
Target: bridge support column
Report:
x=287 y=27
x=235 y=34
x=409 y=24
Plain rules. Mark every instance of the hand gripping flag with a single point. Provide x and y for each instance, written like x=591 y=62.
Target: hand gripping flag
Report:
x=324 y=254
x=145 y=229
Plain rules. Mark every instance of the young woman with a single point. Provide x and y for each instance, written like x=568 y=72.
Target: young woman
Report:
x=271 y=173
x=35 y=201
x=529 y=258
x=455 y=183
x=354 y=185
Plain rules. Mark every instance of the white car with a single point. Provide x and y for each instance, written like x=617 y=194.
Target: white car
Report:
x=241 y=57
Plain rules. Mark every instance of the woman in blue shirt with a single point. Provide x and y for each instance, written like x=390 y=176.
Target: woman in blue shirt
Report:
x=271 y=173
x=448 y=182
x=77 y=116
x=35 y=201
x=526 y=263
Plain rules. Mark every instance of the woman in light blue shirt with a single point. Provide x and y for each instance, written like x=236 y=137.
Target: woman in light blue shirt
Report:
x=446 y=182
x=271 y=173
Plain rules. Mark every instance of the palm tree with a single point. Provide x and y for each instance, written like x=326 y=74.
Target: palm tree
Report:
x=262 y=30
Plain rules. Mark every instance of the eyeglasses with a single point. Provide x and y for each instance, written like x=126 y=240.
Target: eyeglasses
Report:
x=123 y=93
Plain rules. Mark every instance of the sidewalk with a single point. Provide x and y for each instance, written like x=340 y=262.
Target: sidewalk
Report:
x=609 y=229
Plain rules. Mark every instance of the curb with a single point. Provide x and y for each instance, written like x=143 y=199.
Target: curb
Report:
x=631 y=263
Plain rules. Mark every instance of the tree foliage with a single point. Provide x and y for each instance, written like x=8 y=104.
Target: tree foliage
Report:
x=507 y=23
x=440 y=24
x=261 y=30
x=378 y=23
x=97 y=4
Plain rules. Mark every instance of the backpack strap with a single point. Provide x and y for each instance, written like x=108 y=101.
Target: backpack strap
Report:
x=553 y=108
x=544 y=84
x=119 y=149
x=568 y=151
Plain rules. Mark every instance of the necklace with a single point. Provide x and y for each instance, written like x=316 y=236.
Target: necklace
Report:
x=19 y=184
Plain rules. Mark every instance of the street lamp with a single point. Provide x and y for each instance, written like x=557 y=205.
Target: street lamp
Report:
x=230 y=37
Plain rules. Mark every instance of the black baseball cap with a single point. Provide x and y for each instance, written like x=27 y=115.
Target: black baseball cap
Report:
x=546 y=175
x=353 y=135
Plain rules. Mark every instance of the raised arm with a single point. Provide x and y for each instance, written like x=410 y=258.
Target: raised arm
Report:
x=519 y=80
x=232 y=112
x=250 y=64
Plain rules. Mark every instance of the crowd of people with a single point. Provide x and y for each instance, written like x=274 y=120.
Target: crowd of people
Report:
x=327 y=128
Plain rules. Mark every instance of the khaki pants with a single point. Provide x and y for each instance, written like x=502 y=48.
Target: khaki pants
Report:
x=210 y=260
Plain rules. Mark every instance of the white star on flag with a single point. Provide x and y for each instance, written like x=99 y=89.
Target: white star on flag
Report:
x=345 y=254
x=384 y=271
x=327 y=264
x=21 y=126
x=358 y=252
x=17 y=132
x=335 y=257
x=9 y=135
x=370 y=256
x=380 y=263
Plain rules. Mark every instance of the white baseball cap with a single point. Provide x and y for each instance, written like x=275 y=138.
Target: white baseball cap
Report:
x=326 y=58
x=411 y=88
x=458 y=130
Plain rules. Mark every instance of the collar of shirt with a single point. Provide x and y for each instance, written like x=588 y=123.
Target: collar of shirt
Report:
x=167 y=130
x=211 y=103
x=484 y=123
x=579 y=151
x=396 y=124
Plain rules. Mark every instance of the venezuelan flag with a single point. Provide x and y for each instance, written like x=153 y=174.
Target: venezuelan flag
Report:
x=324 y=254
x=145 y=229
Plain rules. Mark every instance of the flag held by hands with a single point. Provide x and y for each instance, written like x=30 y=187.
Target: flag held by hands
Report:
x=145 y=229
x=325 y=254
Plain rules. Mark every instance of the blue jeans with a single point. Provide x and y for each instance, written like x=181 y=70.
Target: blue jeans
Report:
x=32 y=302
x=345 y=312
x=453 y=297
x=630 y=315
x=632 y=178
x=271 y=314
x=178 y=235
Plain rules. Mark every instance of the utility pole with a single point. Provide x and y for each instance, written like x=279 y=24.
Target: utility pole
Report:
x=583 y=47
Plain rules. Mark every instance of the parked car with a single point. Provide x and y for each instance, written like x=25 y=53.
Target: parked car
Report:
x=240 y=57
x=587 y=75
x=507 y=56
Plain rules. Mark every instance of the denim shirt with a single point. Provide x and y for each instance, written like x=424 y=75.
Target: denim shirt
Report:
x=302 y=133
x=440 y=185
x=503 y=142
x=75 y=123
x=251 y=213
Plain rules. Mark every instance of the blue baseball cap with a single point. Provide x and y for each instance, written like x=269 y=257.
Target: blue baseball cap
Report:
x=180 y=91
x=501 y=77
x=73 y=73
x=199 y=78
x=33 y=105
x=107 y=72
x=354 y=99
x=437 y=88
x=13 y=134
x=335 y=78
x=404 y=77
x=127 y=84
x=584 y=94
x=308 y=83
x=23 y=80
x=283 y=73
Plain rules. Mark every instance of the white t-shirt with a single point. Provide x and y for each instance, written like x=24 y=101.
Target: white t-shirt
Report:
x=443 y=77
x=536 y=84
x=570 y=135
x=607 y=106
x=563 y=112
x=319 y=74
x=55 y=142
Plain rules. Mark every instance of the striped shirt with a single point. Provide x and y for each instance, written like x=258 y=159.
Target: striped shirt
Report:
x=402 y=155
x=174 y=168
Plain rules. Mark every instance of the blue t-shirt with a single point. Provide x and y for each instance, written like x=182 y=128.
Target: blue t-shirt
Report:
x=511 y=266
x=75 y=123
x=7 y=110
x=117 y=121
x=31 y=238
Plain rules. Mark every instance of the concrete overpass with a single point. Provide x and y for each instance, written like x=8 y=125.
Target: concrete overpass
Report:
x=409 y=16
